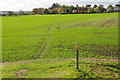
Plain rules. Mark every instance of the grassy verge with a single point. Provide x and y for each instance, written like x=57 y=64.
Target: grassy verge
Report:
x=60 y=68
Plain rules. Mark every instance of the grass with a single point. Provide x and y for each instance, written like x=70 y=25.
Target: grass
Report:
x=60 y=68
x=24 y=37
x=94 y=40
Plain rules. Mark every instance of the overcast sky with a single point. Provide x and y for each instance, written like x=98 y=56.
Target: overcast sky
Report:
x=26 y=5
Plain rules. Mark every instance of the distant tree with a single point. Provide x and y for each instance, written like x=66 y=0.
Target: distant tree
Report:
x=60 y=10
x=41 y=11
x=72 y=7
x=55 y=5
x=57 y=8
x=11 y=13
x=101 y=8
x=58 y=5
x=35 y=11
x=83 y=8
x=21 y=13
x=49 y=9
x=70 y=10
x=110 y=8
x=67 y=11
x=95 y=6
x=90 y=10
x=54 y=11
x=77 y=6
x=46 y=11
x=96 y=10
x=64 y=7
x=117 y=5
x=105 y=10
x=87 y=6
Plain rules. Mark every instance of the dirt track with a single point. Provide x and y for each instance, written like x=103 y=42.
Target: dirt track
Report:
x=47 y=43
x=87 y=59
x=106 y=23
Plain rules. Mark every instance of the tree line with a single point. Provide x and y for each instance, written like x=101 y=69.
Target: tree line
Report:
x=58 y=9
x=65 y=9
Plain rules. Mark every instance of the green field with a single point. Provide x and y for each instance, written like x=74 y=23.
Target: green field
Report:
x=49 y=37
x=60 y=68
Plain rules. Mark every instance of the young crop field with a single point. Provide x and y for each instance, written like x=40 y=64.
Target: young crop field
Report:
x=97 y=35
x=44 y=45
x=24 y=37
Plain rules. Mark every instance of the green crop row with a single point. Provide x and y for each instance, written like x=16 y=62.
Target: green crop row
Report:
x=25 y=37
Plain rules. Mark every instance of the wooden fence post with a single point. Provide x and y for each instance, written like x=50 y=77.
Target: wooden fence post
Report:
x=77 y=60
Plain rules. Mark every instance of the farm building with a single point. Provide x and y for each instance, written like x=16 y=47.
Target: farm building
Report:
x=79 y=10
x=4 y=13
x=110 y=9
x=117 y=8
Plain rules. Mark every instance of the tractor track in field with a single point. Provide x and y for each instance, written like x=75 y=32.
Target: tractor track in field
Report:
x=99 y=59
x=86 y=59
x=47 y=43
x=107 y=22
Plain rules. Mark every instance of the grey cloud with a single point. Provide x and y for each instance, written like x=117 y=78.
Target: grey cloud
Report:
x=30 y=4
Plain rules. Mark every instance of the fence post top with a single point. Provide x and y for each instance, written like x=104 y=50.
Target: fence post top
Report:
x=76 y=43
